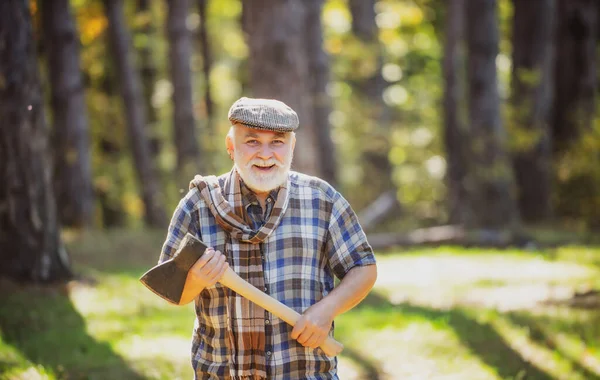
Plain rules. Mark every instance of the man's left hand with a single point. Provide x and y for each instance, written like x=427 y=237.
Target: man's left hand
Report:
x=313 y=327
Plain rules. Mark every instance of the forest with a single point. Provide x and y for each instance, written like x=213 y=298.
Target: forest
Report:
x=460 y=131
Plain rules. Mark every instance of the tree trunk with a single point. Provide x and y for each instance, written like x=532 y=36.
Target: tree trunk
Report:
x=205 y=50
x=490 y=173
x=147 y=64
x=365 y=28
x=72 y=170
x=184 y=123
x=111 y=151
x=376 y=141
x=531 y=101
x=30 y=244
x=135 y=112
x=455 y=133
x=319 y=102
x=278 y=68
x=576 y=73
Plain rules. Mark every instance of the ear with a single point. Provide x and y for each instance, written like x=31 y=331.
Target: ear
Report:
x=229 y=144
x=293 y=141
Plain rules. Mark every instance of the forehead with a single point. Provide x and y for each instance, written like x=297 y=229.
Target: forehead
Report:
x=243 y=131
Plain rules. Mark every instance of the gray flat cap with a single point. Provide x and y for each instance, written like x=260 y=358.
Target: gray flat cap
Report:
x=267 y=114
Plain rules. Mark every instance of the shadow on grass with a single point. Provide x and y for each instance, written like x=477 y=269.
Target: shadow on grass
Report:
x=370 y=368
x=482 y=339
x=44 y=326
x=538 y=332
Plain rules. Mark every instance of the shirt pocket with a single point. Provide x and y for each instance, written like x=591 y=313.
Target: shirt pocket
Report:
x=214 y=308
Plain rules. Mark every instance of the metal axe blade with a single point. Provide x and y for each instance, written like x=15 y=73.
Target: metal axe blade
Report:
x=167 y=279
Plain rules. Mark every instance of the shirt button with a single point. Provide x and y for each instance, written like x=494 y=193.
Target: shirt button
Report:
x=269 y=200
x=266 y=289
x=267 y=322
x=268 y=353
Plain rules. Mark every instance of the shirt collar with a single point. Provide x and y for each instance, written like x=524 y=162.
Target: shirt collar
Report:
x=249 y=197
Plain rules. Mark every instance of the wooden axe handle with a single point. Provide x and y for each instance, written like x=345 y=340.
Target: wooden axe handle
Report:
x=230 y=279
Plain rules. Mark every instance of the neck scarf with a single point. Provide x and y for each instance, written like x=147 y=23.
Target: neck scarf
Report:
x=243 y=252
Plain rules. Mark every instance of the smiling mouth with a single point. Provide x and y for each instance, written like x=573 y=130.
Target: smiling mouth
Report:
x=264 y=168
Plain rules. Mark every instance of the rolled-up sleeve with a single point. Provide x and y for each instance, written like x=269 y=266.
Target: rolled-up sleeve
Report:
x=184 y=220
x=347 y=243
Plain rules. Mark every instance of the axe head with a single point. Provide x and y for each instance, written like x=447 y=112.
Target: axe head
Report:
x=167 y=279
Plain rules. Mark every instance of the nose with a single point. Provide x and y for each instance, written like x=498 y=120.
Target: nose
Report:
x=264 y=153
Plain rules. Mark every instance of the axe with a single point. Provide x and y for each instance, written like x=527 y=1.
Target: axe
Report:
x=167 y=280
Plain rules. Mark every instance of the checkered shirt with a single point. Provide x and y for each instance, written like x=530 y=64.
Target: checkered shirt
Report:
x=319 y=238
x=254 y=211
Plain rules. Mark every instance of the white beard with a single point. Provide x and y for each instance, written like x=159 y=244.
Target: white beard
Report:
x=263 y=182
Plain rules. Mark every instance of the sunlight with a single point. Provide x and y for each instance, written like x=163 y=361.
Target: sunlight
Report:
x=395 y=95
x=542 y=356
x=337 y=19
x=436 y=166
x=491 y=281
x=167 y=347
x=391 y=72
x=432 y=270
x=420 y=350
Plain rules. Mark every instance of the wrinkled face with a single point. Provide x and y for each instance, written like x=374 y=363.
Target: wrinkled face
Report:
x=262 y=158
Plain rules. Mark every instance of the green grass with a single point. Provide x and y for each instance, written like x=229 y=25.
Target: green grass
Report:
x=436 y=313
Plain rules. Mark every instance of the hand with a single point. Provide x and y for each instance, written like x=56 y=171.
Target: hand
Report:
x=313 y=327
x=208 y=270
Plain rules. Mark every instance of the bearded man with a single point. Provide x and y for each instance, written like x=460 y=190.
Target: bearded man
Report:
x=284 y=232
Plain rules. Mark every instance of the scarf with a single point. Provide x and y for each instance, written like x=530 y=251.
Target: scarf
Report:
x=246 y=328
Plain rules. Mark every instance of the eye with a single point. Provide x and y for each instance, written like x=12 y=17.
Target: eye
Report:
x=252 y=142
x=278 y=142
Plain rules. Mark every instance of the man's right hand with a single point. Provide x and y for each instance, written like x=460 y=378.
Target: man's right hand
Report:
x=206 y=272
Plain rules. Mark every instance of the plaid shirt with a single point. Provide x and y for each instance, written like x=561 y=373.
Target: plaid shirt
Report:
x=254 y=210
x=319 y=237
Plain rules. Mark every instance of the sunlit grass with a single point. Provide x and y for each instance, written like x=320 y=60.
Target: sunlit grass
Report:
x=435 y=313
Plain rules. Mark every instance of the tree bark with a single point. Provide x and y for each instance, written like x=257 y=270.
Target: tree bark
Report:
x=365 y=28
x=376 y=141
x=531 y=101
x=490 y=173
x=455 y=128
x=110 y=152
x=184 y=123
x=278 y=68
x=30 y=244
x=576 y=75
x=207 y=60
x=71 y=142
x=147 y=65
x=319 y=101
x=135 y=112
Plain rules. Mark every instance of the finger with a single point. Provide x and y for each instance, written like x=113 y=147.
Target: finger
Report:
x=221 y=271
x=305 y=337
x=214 y=260
x=310 y=342
x=298 y=328
x=217 y=267
x=217 y=260
x=315 y=340
x=201 y=262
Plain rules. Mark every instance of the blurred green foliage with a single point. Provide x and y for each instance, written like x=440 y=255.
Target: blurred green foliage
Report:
x=578 y=181
x=411 y=36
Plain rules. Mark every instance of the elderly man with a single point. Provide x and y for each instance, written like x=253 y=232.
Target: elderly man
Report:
x=284 y=232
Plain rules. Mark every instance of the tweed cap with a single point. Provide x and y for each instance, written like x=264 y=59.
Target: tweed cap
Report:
x=267 y=114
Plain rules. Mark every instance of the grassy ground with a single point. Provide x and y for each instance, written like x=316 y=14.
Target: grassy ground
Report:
x=443 y=313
